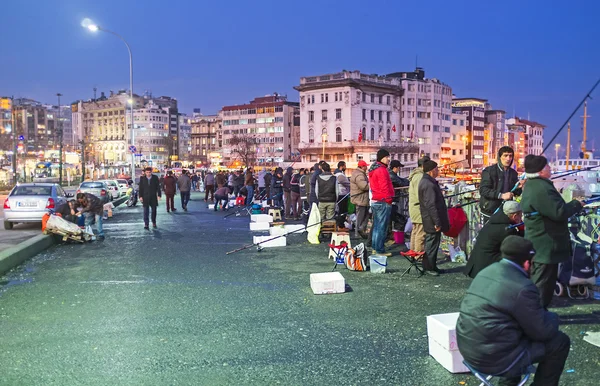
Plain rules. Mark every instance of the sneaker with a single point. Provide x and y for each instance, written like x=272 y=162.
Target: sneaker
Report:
x=432 y=272
x=100 y=238
x=382 y=253
x=168 y=210
x=154 y=226
x=173 y=210
x=146 y=227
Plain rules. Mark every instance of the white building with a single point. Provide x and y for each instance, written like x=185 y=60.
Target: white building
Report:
x=185 y=137
x=268 y=121
x=453 y=152
x=152 y=137
x=426 y=111
x=348 y=116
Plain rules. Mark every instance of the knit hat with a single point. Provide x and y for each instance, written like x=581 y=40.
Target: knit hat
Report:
x=422 y=160
x=511 y=207
x=517 y=249
x=381 y=154
x=535 y=163
x=362 y=164
x=429 y=166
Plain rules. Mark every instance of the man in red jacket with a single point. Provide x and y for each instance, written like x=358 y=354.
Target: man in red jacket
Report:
x=381 y=201
x=170 y=188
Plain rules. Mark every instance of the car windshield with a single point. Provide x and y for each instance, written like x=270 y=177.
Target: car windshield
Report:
x=122 y=182
x=32 y=191
x=92 y=185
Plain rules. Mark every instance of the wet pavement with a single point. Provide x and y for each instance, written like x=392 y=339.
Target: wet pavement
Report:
x=168 y=306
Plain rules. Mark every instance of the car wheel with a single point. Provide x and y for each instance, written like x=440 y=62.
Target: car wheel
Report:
x=8 y=225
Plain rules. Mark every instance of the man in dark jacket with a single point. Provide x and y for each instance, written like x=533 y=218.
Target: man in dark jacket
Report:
x=497 y=182
x=184 y=183
x=170 y=188
x=434 y=213
x=381 y=201
x=149 y=191
x=313 y=180
x=548 y=230
x=327 y=189
x=502 y=328
x=487 y=247
x=287 y=191
x=277 y=188
x=93 y=209
x=268 y=179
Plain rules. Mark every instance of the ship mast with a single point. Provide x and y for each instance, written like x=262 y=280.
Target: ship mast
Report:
x=568 y=145
x=583 y=143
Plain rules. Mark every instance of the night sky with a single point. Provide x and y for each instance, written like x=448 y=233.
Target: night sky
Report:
x=523 y=56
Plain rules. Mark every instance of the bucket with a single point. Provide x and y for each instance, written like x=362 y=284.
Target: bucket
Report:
x=377 y=263
x=398 y=237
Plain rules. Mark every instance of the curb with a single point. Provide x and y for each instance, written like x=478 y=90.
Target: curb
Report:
x=13 y=256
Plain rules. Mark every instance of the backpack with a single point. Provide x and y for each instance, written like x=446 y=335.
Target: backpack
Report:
x=355 y=258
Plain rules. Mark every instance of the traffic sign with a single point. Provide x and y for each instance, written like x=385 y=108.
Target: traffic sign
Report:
x=132 y=149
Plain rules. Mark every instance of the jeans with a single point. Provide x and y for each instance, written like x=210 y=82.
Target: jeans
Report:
x=250 y=196
x=147 y=213
x=210 y=190
x=185 y=198
x=277 y=197
x=170 y=202
x=89 y=217
x=432 y=245
x=381 y=218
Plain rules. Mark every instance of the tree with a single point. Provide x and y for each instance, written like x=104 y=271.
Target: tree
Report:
x=244 y=148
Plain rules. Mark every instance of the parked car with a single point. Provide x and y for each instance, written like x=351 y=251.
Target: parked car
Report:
x=123 y=186
x=28 y=202
x=113 y=188
x=97 y=188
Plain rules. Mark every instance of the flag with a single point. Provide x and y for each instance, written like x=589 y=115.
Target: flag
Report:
x=412 y=134
x=360 y=136
x=394 y=128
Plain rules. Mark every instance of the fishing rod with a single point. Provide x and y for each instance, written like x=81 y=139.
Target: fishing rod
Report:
x=585 y=98
x=466 y=203
x=460 y=194
x=575 y=172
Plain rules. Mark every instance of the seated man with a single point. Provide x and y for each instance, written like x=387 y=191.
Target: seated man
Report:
x=487 y=247
x=502 y=327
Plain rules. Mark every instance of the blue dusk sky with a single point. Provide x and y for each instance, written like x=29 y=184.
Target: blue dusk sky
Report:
x=526 y=57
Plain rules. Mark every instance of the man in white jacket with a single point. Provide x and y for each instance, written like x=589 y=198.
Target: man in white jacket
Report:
x=343 y=194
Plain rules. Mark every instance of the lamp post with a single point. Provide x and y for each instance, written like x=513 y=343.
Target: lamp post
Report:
x=87 y=23
x=324 y=139
x=60 y=144
x=556 y=147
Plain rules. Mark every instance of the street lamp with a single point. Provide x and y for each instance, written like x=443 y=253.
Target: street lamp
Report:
x=87 y=23
x=556 y=147
x=60 y=139
x=324 y=139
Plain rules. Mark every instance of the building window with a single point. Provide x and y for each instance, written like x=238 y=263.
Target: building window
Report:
x=312 y=98
x=311 y=116
x=388 y=116
x=381 y=99
x=372 y=98
x=322 y=98
x=311 y=136
x=380 y=115
x=338 y=134
x=364 y=114
x=323 y=115
x=389 y=135
x=372 y=133
x=364 y=97
x=326 y=97
x=338 y=113
x=388 y=100
x=372 y=115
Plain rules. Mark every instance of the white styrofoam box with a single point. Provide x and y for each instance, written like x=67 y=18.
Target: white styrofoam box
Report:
x=211 y=206
x=276 y=230
x=442 y=329
x=259 y=226
x=274 y=241
x=264 y=204
x=294 y=228
x=231 y=203
x=261 y=218
x=327 y=283
x=451 y=360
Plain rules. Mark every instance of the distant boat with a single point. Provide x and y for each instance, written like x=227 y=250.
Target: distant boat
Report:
x=587 y=181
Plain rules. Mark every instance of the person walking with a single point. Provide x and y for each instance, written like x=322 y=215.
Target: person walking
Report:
x=502 y=328
x=170 y=188
x=359 y=196
x=327 y=189
x=93 y=210
x=497 y=182
x=417 y=235
x=209 y=186
x=344 y=193
x=149 y=191
x=435 y=215
x=381 y=202
x=184 y=183
x=547 y=225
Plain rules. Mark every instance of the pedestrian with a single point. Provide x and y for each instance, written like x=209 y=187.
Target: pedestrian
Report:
x=222 y=197
x=93 y=210
x=399 y=184
x=497 y=182
x=359 y=196
x=344 y=193
x=261 y=183
x=249 y=184
x=149 y=192
x=434 y=213
x=184 y=183
x=277 y=188
x=268 y=179
x=304 y=185
x=548 y=228
x=417 y=235
x=209 y=186
x=295 y=194
x=327 y=189
x=381 y=203
x=238 y=182
x=502 y=328
x=313 y=181
x=220 y=179
x=194 y=182
x=170 y=188
x=486 y=250
x=287 y=191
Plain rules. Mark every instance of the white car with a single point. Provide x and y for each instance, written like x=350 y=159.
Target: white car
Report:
x=29 y=202
x=113 y=187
